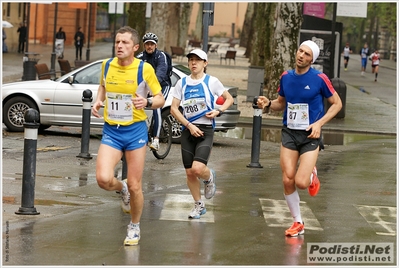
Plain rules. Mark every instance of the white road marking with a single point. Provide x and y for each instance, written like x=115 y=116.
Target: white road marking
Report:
x=277 y=214
x=381 y=219
x=177 y=207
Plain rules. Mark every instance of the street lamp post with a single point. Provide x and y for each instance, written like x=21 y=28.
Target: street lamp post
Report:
x=88 y=35
x=52 y=68
x=113 y=43
x=207 y=19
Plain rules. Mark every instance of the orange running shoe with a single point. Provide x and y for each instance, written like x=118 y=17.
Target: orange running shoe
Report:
x=296 y=229
x=314 y=187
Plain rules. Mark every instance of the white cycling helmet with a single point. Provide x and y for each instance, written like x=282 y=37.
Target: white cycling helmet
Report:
x=150 y=37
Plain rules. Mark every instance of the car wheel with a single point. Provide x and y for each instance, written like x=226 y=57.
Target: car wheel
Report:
x=14 y=111
x=176 y=126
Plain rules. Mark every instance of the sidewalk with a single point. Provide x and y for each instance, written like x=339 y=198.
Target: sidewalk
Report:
x=360 y=104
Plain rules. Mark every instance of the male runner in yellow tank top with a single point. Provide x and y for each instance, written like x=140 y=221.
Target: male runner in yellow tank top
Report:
x=125 y=131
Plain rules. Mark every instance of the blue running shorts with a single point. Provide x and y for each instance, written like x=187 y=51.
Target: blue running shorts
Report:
x=125 y=138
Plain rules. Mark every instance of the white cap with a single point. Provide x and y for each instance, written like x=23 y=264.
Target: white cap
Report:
x=199 y=52
x=314 y=47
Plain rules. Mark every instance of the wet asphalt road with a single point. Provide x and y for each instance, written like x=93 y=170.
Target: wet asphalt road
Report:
x=80 y=224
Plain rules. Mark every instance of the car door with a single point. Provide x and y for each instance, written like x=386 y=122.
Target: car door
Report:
x=68 y=104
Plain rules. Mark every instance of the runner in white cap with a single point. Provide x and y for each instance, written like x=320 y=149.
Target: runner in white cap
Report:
x=196 y=93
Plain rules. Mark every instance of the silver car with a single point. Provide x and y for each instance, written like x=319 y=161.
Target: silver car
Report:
x=59 y=102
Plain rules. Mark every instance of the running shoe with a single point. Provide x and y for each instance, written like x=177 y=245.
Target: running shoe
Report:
x=314 y=187
x=133 y=235
x=210 y=186
x=296 y=229
x=154 y=146
x=125 y=196
x=197 y=211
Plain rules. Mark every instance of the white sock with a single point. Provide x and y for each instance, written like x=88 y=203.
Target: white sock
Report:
x=200 y=202
x=132 y=225
x=311 y=178
x=124 y=188
x=210 y=177
x=293 y=205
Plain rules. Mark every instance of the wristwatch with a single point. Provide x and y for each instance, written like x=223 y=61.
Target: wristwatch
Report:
x=220 y=112
x=149 y=103
x=270 y=104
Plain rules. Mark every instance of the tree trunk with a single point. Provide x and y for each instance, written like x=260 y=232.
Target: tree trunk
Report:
x=159 y=22
x=171 y=26
x=371 y=25
x=263 y=33
x=281 y=51
x=197 y=34
x=246 y=32
x=136 y=19
x=184 y=18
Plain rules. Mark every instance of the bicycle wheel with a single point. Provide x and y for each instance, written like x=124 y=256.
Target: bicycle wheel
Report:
x=165 y=139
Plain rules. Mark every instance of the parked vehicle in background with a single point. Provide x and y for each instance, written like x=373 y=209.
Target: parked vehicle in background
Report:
x=59 y=102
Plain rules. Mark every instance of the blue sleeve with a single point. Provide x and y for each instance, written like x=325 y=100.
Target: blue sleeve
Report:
x=162 y=67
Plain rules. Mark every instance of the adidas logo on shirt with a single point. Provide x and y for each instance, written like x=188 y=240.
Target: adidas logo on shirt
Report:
x=307 y=87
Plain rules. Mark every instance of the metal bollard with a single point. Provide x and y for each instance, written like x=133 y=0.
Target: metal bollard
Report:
x=256 y=129
x=86 y=113
x=31 y=126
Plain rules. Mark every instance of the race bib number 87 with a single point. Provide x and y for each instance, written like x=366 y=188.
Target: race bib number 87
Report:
x=298 y=116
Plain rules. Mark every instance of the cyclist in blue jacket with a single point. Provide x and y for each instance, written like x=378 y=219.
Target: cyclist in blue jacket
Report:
x=159 y=61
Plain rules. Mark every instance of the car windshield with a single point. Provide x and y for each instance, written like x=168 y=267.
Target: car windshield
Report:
x=86 y=75
x=90 y=75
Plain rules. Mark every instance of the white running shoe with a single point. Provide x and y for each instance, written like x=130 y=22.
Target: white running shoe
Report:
x=197 y=211
x=154 y=146
x=210 y=186
x=125 y=196
x=133 y=235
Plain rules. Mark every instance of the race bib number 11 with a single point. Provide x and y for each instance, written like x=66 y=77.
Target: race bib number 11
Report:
x=119 y=106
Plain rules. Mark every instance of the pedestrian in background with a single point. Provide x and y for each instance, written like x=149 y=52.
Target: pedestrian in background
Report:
x=364 y=53
x=347 y=50
x=301 y=96
x=79 y=41
x=196 y=94
x=60 y=38
x=375 y=62
x=22 y=30
x=5 y=48
x=159 y=62
x=123 y=81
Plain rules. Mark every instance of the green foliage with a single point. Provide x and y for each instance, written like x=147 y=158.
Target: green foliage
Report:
x=103 y=5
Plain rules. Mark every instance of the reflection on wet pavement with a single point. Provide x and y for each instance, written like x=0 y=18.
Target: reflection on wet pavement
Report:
x=274 y=135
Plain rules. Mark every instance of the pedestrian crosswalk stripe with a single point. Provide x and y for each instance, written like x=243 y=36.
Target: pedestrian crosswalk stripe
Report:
x=382 y=219
x=277 y=214
x=177 y=207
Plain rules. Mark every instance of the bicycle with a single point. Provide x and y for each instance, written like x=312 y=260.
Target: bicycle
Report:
x=165 y=136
